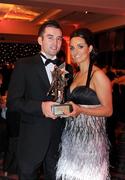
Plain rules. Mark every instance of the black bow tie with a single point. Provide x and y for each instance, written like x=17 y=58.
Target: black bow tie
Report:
x=49 y=60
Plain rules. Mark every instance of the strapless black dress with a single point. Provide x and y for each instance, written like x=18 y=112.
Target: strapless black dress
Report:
x=84 y=146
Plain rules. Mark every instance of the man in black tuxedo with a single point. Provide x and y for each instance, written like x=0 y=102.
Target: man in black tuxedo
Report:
x=40 y=129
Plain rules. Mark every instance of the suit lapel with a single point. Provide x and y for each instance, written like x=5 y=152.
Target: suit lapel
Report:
x=40 y=69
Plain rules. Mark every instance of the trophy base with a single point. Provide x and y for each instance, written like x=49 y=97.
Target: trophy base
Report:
x=59 y=109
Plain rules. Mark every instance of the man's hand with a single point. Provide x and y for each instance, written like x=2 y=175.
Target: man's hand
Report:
x=47 y=109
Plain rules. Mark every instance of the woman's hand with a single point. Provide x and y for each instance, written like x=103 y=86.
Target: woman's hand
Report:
x=76 y=110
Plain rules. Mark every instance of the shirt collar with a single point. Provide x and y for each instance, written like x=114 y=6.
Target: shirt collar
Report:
x=46 y=56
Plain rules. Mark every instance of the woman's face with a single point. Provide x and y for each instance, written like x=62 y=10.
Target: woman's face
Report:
x=79 y=49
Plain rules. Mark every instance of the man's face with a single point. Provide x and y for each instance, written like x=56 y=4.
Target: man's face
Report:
x=50 y=41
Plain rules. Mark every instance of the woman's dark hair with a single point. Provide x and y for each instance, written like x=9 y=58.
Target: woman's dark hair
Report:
x=88 y=36
x=49 y=23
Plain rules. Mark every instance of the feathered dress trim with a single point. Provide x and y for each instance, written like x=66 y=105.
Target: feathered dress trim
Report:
x=84 y=150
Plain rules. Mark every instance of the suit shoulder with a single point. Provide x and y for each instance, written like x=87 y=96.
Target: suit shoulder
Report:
x=28 y=60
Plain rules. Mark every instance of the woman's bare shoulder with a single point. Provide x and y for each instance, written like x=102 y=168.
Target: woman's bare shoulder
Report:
x=99 y=74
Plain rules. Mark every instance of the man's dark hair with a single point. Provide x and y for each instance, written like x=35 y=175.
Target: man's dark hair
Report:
x=49 y=23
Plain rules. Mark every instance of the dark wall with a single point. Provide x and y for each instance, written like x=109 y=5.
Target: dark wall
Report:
x=111 y=47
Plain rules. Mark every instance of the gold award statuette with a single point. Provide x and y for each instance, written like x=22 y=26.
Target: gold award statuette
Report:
x=57 y=91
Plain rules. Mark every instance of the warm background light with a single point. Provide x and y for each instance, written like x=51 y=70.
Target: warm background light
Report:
x=12 y=11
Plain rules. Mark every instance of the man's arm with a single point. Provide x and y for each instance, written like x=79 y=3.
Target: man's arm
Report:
x=16 y=99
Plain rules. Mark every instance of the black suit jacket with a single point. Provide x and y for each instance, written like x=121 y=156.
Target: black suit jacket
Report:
x=28 y=87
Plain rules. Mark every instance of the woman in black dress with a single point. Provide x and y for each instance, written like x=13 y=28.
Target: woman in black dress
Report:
x=85 y=146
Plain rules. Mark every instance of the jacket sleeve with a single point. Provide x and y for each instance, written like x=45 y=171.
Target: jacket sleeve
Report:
x=16 y=99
